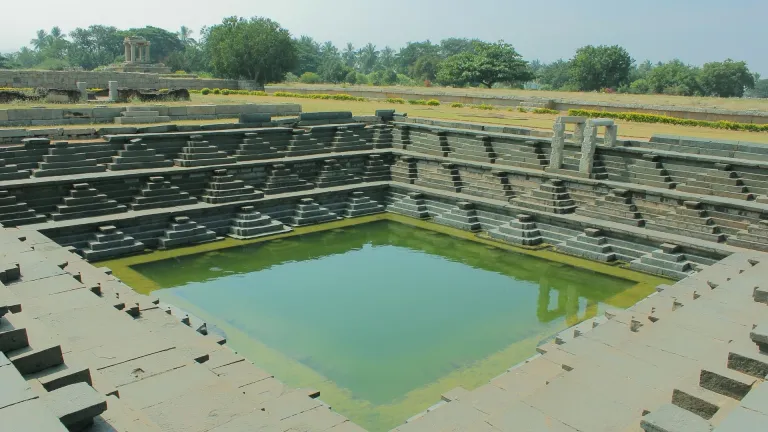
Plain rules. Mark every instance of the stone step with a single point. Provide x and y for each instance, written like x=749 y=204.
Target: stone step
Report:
x=141 y=120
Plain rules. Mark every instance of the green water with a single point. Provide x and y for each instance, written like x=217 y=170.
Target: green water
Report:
x=383 y=309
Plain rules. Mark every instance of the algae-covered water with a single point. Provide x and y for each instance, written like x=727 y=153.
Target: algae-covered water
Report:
x=383 y=317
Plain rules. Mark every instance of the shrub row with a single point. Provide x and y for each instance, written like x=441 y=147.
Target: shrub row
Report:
x=216 y=91
x=341 y=97
x=545 y=111
x=655 y=118
x=400 y=101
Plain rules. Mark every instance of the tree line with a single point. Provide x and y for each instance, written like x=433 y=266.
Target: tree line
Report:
x=260 y=49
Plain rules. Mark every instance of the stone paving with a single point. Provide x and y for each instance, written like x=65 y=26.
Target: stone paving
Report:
x=82 y=351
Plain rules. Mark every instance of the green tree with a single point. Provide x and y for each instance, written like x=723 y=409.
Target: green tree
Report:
x=185 y=35
x=333 y=70
x=95 y=46
x=5 y=63
x=387 y=59
x=555 y=75
x=410 y=53
x=426 y=67
x=596 y=68
x=257 y=49
x=367 y=57
x=760 y=90
x=673 y=77
x=41 y=40
x=726 y=79
x=452 y=46
x=349 y=56
x=489 y=64
x=308 y=55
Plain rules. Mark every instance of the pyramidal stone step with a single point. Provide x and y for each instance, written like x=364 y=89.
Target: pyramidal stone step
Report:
x=63 y=159
x=551 y=197
x=304 y=143
x=405 y=170
x=375 y=169
x=14 y=213
x=248 y=224
x=494 y=185
x=463 y=216
x=333 y=174
x=159 y=193
x=84 y=201
x=345 y=139
x=360 y=205
x=199 y=152
x=265 y=144
x=136 y=155
x=668 y=261
x=382 y=136
x=223 y=188
x=308 y=212
x=11 y=172
x=521 y=230
x=282 y=180
x=412 y=205
x=108 y=242
x=184 y=232
x=592 y=245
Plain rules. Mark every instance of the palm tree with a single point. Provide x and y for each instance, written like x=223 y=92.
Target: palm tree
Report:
x=387 y=58
x=349 y=55
x=184 y=35
x=56 y=34
x=368 y=56
x=41 y=40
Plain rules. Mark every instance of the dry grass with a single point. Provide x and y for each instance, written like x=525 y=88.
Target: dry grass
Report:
x=682 y=101
x=445 y=112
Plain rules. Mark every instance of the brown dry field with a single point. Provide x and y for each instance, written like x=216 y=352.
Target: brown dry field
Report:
x=445 y=112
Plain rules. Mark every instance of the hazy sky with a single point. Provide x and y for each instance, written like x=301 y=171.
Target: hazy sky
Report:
x=695 y=31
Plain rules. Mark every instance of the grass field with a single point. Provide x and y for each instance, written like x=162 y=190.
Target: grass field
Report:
x=445 y=112
x=735 y=104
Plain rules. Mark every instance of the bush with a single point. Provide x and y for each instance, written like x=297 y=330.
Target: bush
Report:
x=522 y=109
x=258 y=93
x=485 y=107
x=545 y=111
x=195 y=91
x=457 y=105
x=405 y=80
x=180 y=72
x=400 y=101
x=216 y=91
x=291 y=77
x=656 y=118
x=433 y=102
x=341 y=97
x=205 y=91
x=310 y=78
x=225 y=92
x=417 y=101
x=351 y=78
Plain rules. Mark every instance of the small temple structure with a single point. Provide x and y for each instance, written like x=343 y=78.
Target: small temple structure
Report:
x=137 y=57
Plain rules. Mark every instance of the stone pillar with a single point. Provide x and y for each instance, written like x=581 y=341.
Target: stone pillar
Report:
x=113 y=91
x=588 y=149
x=558 y=143
x=610 y=136
x=83 y=87
x=140 y=49
x=147 y=57
x=127 y=52
x=578 y=132
x=133 y=52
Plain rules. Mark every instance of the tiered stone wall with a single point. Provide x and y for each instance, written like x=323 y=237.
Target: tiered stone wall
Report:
x=85 y=114
x=644 y=196
x=132 y=80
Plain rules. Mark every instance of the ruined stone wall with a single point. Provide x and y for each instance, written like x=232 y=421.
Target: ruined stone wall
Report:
x=68 y=80
x=692 y=113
